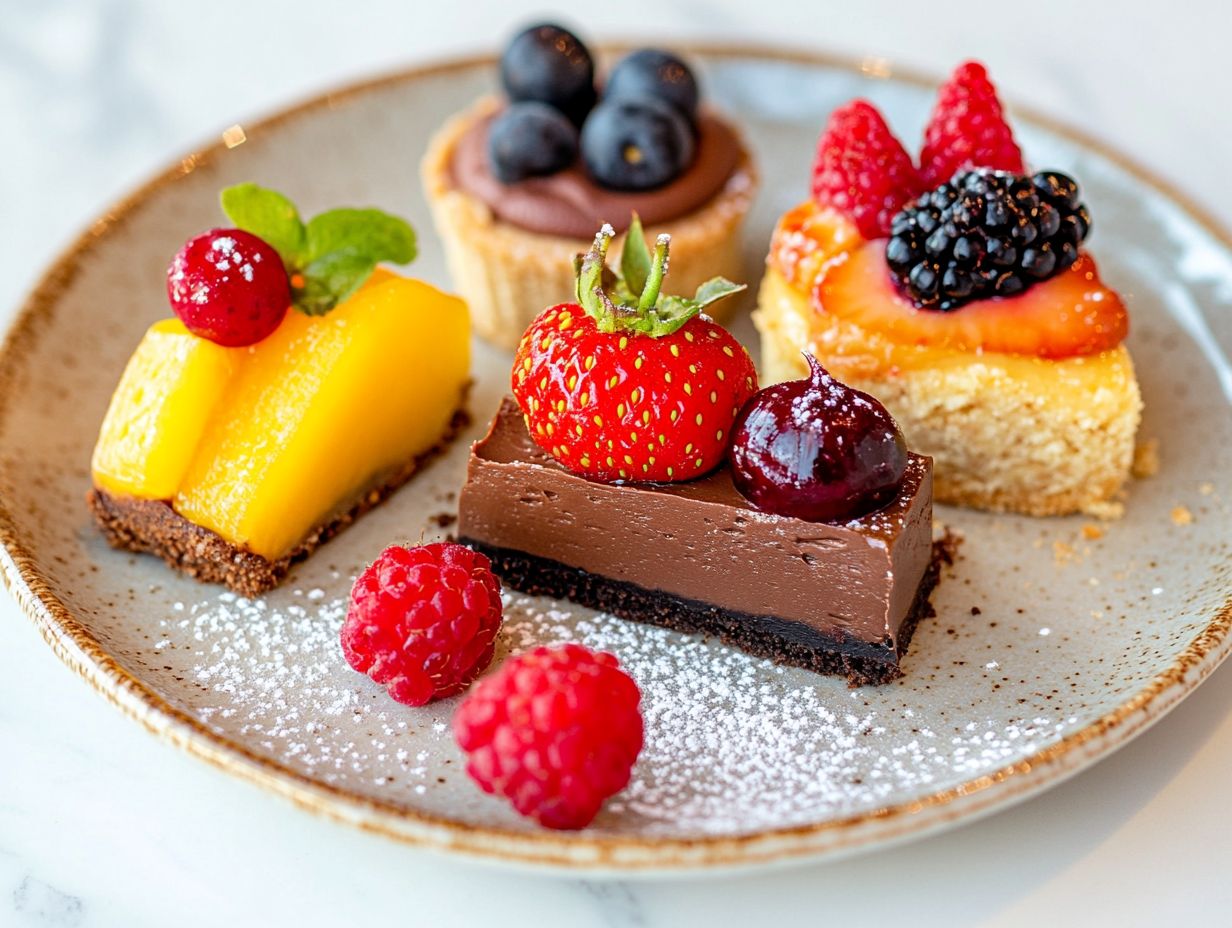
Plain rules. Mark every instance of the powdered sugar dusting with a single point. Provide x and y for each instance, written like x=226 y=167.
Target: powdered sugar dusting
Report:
x=733 y=743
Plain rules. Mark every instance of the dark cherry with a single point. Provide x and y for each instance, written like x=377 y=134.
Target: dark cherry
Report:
x=549 y=64
x=816 y=449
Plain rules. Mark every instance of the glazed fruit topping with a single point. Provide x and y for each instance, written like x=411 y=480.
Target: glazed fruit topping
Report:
x=627 y=383
x=985 y=233
x=530 y=140
x=228 y=286
x=652 y=72
x=1068 y=315
x=548 y=64
x=636 y=144
x=816 y=449
x=556 y=731
x=422 y=621
x=862 y=170
x=967 y=129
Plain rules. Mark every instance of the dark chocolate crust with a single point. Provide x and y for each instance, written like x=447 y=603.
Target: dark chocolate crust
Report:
x=149 y=526
x=785 y=642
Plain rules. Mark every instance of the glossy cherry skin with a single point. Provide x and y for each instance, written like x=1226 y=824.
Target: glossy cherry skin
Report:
x=229 y=286
x=817 y=450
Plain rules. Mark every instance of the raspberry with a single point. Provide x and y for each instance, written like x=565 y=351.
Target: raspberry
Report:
x=555 y=731
x=967 y=129
x=862 y=170
x=422 y=621
x=229 y=286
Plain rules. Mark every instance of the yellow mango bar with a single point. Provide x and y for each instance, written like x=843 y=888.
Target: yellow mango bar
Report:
x=325 y=408
x=167 y=396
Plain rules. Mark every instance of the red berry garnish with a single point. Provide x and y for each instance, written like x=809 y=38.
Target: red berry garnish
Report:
x=862 y=170
x=555 y=731
x=229 y=286
x=967 y=129
x=816 y=449
x=422 y=621
x=645 y=390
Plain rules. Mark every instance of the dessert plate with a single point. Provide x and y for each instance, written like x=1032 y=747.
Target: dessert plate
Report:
x=1055 y=641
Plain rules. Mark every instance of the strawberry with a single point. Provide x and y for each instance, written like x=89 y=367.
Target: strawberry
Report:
x=627 y=384
x=967 y=129
x=862 y=170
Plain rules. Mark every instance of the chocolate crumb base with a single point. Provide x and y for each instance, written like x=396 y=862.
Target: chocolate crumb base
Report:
x=784 y=642
x=149 y=526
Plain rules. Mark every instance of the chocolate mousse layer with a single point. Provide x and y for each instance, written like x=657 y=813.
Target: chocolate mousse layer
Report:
x=570 y=204
x=698 y=557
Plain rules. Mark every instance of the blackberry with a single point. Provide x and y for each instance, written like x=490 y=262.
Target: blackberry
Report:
x=985 y=233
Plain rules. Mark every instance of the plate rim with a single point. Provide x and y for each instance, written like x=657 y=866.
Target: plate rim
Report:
x=597 y=854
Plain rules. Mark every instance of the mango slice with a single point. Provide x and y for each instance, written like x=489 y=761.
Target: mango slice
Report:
x=159 y=412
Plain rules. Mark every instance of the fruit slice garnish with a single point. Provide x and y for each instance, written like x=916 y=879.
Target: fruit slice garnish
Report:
x=1070 y=314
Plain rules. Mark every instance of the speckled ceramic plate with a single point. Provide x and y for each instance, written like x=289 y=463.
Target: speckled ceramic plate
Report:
x=1056 y=640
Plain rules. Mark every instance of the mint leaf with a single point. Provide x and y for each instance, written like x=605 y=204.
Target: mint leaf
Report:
x=715 y=289
x=268 y=215
x=635 y=258
x=330 y=279
x=369 y=232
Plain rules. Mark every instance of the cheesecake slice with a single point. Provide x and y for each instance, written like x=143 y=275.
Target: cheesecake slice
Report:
x=696 y=556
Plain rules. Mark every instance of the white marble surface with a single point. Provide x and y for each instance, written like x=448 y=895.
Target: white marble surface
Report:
x=101 y=825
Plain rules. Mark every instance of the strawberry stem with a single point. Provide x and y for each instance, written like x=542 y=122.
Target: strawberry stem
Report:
x=654 y=281
x=645 y=312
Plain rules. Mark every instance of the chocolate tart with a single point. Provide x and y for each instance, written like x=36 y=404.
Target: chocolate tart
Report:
x=697 y=557
x=510 y=247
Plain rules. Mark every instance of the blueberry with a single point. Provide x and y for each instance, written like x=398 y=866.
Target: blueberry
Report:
x=549 y=64
x=530 y=140
x=636 y=144
x=650 y=72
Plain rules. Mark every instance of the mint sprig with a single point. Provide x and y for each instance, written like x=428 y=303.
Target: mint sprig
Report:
x=634 y=302
x=329 y=257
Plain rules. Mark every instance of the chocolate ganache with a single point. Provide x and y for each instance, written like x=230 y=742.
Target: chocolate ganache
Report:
x=572 y=205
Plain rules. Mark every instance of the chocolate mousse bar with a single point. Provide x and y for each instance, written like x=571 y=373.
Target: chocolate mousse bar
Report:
x=838 y=598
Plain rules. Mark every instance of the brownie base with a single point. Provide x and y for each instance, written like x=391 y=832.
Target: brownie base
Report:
x=147 y=526
x=785 y=642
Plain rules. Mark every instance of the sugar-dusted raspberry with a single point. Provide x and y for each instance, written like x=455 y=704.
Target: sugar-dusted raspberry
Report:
x=862 y=170
x=229 y=286
x=555 y=731
x=422 y=621
x=967 y=129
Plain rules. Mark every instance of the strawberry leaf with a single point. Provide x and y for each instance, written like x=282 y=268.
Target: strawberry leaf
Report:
x=715 y=289
x=635 y=258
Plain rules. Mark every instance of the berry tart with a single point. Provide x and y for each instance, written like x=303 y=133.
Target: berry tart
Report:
x=298 y=386
x=958 y=292
x=518 y=184
x=638 y=470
